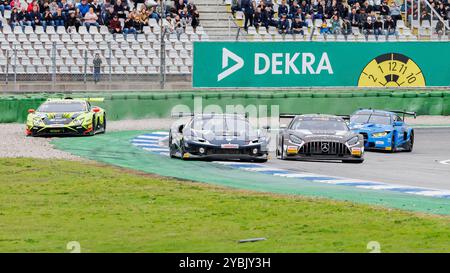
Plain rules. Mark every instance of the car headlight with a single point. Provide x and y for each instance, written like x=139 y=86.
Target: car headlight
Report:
x=78 y=122
x=37 y=122
x=380 y=134
x=353 y=141
x=295 y=139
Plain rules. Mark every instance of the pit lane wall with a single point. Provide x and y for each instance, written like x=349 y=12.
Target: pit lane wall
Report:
x=144 y=105
x=300 y=64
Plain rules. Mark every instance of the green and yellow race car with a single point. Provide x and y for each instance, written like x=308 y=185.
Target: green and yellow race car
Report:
x=66 y=117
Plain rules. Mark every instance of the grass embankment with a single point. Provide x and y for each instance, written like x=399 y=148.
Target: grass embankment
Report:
x=44 y=204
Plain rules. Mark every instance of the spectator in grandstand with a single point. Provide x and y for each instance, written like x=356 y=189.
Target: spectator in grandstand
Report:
x=129 y=25
x=283 y=9
x=179 y=26
x=443 y=11
x=169 y=26
x=367 y=7
x=248 y=9
x=97 y=7
x=389 y=26
x=324 y=27
x=142 y=18
x=267 y=17
x=368 y=27
x=115 y=26
x=120 y=9
x=335 y=25
x=353 y=18
x=4 y=5
x=378 y=26
x=136 y=2
x=425 y=16
x=235 y=6
x=293 y=10
x=97 y=62
x=297 y=26
x=17 y=18
x=363 y=16
x=73 y=22
x=395 y=12
x=47 y=19
x=440 y=29
x=90 y=19
x=346 y=27
x=283 y=25
x=33 y=18
x=195 y=15
x=58 y=18
x=84 y=7
x=16 y=4
x=384 y=8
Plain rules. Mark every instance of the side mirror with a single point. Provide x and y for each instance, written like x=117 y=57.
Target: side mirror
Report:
x=398 y=123
x=180 y=128
x=31 y=111
x=267 y=127
x=95 y=109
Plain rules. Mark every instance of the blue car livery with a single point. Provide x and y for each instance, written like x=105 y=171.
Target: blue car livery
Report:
x=383 y=130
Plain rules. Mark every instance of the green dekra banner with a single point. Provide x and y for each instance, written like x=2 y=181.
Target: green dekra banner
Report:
x=304 y=64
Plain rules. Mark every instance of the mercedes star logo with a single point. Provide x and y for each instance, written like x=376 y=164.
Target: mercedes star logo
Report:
x=325 y=147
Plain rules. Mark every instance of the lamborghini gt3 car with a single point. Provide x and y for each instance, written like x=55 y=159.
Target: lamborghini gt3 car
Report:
x=218 y=137
x=319 y=137
x=66 y=117
x=383 y=130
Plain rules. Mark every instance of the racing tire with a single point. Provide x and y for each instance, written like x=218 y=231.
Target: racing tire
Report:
x=104 y=124
x=410 y=145
x=182 y=150
x=357 y=161
x=393 y=147
x=172 y=150
x=280 y=154
x=94 y=127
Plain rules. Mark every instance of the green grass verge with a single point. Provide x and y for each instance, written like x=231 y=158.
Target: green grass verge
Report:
x=44 y=204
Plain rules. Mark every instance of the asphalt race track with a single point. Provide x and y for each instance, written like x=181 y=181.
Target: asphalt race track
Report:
x=421 y=168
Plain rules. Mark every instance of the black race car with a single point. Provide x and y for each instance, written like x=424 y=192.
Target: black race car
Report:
x=218 y=137
x=319 y=137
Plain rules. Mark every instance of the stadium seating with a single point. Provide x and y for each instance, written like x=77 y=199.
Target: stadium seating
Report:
x=414 y=32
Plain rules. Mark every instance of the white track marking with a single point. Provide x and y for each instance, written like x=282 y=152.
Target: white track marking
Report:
x=446 y=162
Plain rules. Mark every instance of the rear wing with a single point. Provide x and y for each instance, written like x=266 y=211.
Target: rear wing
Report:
x=344 y=117
x=404 y=113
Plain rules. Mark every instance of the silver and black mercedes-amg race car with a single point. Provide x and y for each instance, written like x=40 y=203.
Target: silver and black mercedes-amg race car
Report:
x=218 y=137
x=319 y=137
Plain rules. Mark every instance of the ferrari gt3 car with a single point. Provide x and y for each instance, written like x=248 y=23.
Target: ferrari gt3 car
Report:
x=319 y=137
x=383 y=130
x=218 y=137
x=66 y=117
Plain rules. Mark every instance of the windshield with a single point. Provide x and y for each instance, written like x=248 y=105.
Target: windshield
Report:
x=221 y=124
x=54 y=107
x=377 y=119
x=322 y=125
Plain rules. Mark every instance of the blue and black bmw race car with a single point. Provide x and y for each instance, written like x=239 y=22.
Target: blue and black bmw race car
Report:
x=383 y=130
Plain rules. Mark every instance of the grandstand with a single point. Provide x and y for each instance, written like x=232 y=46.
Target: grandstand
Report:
x=407 y=27
x=41 y=51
